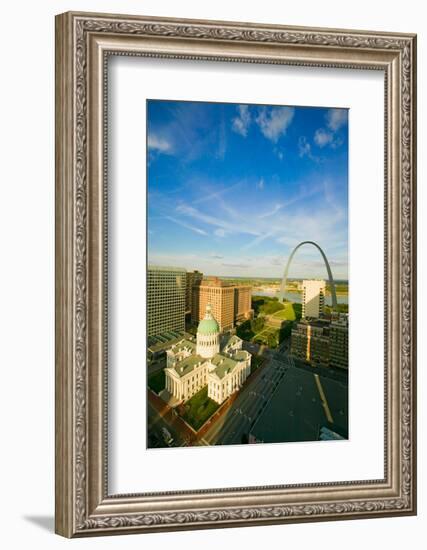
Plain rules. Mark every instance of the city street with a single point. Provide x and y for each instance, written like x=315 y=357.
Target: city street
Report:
x=236 y=423
x=340 y=375
x=160 y=415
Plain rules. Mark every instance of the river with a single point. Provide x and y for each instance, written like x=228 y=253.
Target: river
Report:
x=296 y=296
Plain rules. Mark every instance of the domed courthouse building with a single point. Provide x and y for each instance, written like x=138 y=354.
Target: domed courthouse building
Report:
x=219 y=363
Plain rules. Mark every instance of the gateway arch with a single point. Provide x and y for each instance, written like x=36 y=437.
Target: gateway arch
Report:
x=328 y=268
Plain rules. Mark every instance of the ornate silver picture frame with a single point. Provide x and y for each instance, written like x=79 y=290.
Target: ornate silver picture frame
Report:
x=84 y=42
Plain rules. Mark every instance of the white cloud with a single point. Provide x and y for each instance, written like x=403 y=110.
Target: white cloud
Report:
x=207 y=194
x=260 y=184
x=258 y=240
x=273 y=122
x=271 y=212
x=304 y=147
x=241 y=123
x=220 y=232
x=233 y=226
x=279 y=153
x=222 y=141
x=322 y=137
x=186 y=225
x=159 y=144
x=335 y=118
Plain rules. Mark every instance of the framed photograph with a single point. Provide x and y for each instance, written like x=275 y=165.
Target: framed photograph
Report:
x=235 y=274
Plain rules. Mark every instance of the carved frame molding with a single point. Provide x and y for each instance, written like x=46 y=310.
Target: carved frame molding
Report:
x=83 y=44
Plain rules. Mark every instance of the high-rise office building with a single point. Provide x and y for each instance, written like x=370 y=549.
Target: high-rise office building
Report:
x=192 y=278
x=220 y=295
x=313 y=298
x=166 y=290
x=242 y=302
x=338 y=343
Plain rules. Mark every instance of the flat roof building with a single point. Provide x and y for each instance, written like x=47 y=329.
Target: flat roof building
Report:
x=338 y=343
x=310 y=341
x=243 y=303
x=229 y=302
x=220 y=295
x=166 y=287
x=192 y=278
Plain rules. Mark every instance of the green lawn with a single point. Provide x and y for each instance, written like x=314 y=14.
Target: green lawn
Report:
x=199 y=408
x=269 y=336
x=287 y=313
x=157 y=381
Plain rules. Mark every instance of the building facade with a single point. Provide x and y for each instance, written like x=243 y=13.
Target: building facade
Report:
x=229 y=303
x=322 y=342
x=192 y=278
x=313 y=298
x=220 y=295
x=166 y=288
x=338 y=343
x=310 y=342
x=243 y=303
x=222 y=366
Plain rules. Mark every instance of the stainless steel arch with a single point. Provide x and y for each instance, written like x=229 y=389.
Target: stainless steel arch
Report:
x=328 y=268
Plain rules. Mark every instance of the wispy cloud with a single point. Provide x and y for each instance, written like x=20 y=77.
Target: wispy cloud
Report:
x=260 y=184
x=159 y=144
x=212 y=195
x=222 y=140
x=274 y=121
x=275 y=208
x=258 y=240
x=240 y=124
x=279 y=153
x=231 y=226
x=186 y=225
x=239 y=266
x=322 y=137
x=304 y=149
x=336 y=118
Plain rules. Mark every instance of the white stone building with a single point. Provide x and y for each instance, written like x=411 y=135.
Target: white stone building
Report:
x=219 y=363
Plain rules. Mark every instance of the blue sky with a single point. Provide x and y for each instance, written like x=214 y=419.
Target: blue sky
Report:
x=233 y=188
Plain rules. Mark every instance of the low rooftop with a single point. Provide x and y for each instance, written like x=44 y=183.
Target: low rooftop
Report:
x=188 y=364
x=224 y=364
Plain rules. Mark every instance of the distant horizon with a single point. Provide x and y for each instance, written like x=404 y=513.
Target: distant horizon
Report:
x=279 y=277
x=233 y=188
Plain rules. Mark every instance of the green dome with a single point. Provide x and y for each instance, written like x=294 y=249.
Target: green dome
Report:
x=208 y=326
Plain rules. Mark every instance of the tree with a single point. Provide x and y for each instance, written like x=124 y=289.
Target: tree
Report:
x=271 y=340
x=257 y=324
x=285 y=331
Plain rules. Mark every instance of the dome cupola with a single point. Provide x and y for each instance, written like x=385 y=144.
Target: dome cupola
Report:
x=208 y=335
